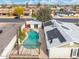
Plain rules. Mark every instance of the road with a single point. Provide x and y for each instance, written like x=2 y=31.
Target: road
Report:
x=23 y=20
x=13 y=20
x=67 y=20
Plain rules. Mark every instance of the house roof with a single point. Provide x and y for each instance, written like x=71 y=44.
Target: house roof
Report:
x=71 y=30
x=60 y=33
x=9 y=31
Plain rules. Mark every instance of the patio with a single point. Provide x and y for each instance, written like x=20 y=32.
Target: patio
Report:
x=34 y=53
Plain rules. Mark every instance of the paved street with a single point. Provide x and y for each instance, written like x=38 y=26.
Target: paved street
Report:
x=23 y=20
x=67 y=20
x=13 y=20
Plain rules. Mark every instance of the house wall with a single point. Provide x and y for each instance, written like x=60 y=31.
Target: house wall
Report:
x=34 y=22
x=59 y=52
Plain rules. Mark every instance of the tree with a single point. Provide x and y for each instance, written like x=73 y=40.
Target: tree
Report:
x=44 y=14
x=19 y=11
x=33 y=14
x=61 y=10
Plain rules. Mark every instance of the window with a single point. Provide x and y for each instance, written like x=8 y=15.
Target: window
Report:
x=35 y=25
x=71 y=53
x=74 y=53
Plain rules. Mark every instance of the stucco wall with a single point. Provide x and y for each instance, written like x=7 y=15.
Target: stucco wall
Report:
x=59 y=52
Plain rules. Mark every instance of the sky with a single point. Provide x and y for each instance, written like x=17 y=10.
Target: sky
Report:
x=39 y=1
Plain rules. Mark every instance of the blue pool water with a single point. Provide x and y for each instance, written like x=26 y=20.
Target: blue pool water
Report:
x=32 y=41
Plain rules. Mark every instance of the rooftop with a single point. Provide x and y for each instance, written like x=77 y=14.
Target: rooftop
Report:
x=60 y=33
x=8 y=33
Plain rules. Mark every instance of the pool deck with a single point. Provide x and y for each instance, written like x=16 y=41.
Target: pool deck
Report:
x=34 y=53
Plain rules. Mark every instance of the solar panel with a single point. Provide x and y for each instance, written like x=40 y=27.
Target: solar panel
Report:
x=55 y=34
x=48 y=23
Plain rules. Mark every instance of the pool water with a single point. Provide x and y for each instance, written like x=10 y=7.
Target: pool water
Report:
x=32 y=41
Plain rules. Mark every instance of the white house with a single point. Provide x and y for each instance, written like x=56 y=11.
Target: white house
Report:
x=62 y=39
x=33 y=24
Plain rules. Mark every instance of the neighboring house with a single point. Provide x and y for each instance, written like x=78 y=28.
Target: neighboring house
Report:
x=33 y=24
x=62 y=39
x=5 y=11
x=10 y=11
x=62 y=14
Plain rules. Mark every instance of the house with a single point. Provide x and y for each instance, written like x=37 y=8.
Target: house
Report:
x=62 y=39
x=33 y=24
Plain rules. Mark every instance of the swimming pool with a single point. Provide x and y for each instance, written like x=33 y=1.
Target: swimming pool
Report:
x=32 y=41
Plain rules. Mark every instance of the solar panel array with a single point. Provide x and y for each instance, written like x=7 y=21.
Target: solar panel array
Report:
x=55 y=34
x=48 y=23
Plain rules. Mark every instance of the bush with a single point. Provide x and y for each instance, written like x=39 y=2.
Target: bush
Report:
x=19 y=11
